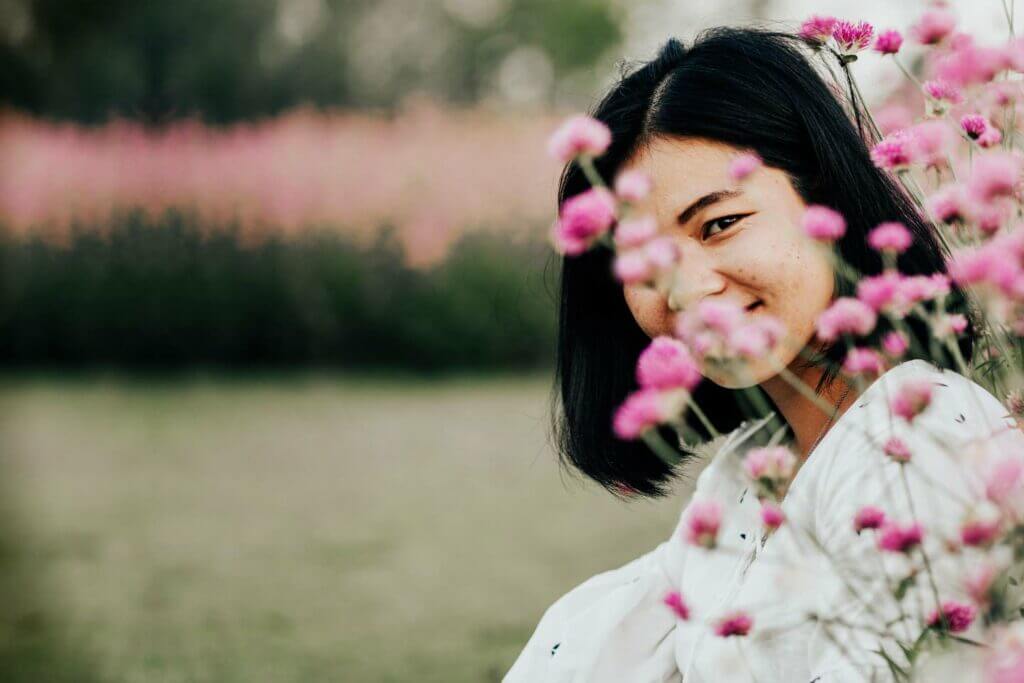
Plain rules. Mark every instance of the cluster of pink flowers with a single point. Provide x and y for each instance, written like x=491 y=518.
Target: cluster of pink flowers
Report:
x=770 y=469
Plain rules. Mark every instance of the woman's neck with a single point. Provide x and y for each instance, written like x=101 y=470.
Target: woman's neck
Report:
x=807 y=419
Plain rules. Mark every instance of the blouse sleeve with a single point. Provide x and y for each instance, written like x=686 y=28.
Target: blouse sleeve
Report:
x=948 y=443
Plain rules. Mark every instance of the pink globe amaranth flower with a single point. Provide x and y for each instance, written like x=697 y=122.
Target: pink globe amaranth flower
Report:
x=703 y=519
x=879 y=291
x=894 y=537
x=950 y=324
x=846 y=315
x=1003 y=478
x=736 y=623
x=817 y=28
x=850 y=37
x=930 y=142
x=645 y=409
x=991 y=137
x=895 y=344
x=893 y=117
x=966 y=63
x=994 y=174
x=632 y=266
x=942 y=92
x=634 y=232
x=720 y=316
x=633 y=185
x=823 y=224
x=868 y=517
x=897 y=450
x=911 y=398
x=582 y=220
x=890 y=236
x=756 y=337
x=948 y=204
x=982 y=525
x=772 y=462
x=893 y=153
x=888 y=42
x=933 y=26
x=860 y=361
x=959 y=616
x=667 y=364
x=979 y=581
x=674 y=601
x=663 y=252
x=772 y=515
x=743 y=165
x=579 y=135
x=974 y=125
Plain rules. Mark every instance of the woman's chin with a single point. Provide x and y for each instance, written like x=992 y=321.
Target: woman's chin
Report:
x=743 y=375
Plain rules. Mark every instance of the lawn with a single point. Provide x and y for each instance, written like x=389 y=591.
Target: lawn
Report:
x=289 y=528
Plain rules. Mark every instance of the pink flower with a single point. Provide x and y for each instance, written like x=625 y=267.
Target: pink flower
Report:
x=942 y=93
x=1005 y=663
x=893 y=152
x=632 y=267
x=930 y=142
x=634 y=232
x=982 y=526
x=583 y=219
x=890 y=236
x=863 y=361
x=579 y=135
x=895 y=343
x=772 y=515
x=896 y=450
x=979 y=580
x=743 y=165
x=736 y=623
x=1003 y=478
x=868 y=517
x=888 y=42
x=755 y=337
x=934 y=25
x=959 y=616
x=667 y=364
x=948 y=204
x=772 y=462
x=703 y=519
x=720 y=316
x=851 y=37
x=894 y=537
x=846 y=315
x=991 y=137
x=974 y=125
x=994 y=174
x=950 y=324
x=966 y=63
x=911 y=399
x=633 y=185
x=817 y=28
x=645 y=409
x=674 y=601
x=914 y=288
x=823 y=224
x=893 y=117
x=879 y=291
x=662 y=252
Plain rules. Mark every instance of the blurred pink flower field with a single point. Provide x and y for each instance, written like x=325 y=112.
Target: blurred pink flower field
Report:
x=429 y=171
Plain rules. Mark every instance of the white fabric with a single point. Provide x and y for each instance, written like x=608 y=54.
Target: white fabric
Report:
x=614 y=627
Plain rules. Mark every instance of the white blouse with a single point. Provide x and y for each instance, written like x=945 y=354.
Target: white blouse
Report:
x=614 y=627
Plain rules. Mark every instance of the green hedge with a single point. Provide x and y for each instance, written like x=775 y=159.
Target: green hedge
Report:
x=170 y=293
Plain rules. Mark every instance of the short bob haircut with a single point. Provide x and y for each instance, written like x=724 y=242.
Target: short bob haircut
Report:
x=752 y=89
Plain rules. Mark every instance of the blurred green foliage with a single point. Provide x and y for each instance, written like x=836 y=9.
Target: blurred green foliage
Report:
x=226 y=60
x=170 y=293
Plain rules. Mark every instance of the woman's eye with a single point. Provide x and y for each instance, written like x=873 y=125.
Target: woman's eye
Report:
x=723 y=222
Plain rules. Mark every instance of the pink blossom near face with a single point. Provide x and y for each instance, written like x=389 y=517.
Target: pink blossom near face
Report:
x=745 y=248
x=958 y=616
x=911 y=398
x=743 y=165
x=930 y=142
x=736 y=623
x=893 y=153
x=861 y=361
x=823 y=224
x=645 y=409
x=675 y=602
x=817 y=28
x=634 y=231
x=772 y=515
x=895 y=537
x=775 y=463
x=850 y=37
x=846 y=316
x=888 y=42
x=632 y=186
x=895 y=344
x=868 y=517
x=579 y=135
x=879 y=291
x=667 y=364
x=582 y=219
x=703 y=519
x=890 y=236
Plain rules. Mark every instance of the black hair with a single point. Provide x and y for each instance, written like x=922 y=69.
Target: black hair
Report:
x=753 y=89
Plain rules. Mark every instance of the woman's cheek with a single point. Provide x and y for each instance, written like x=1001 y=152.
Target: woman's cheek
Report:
x=650 y=310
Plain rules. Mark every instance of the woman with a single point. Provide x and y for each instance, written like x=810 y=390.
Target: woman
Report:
x=683 y=118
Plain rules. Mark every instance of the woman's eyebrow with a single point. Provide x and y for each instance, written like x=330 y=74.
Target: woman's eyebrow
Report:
x=706 y=201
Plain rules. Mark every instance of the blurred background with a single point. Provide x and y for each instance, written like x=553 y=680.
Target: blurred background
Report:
x=277 y=324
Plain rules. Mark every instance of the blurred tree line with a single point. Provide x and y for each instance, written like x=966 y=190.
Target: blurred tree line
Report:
x=228 y=60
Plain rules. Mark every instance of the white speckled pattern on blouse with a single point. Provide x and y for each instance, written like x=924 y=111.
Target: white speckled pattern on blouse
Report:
x=614 y=627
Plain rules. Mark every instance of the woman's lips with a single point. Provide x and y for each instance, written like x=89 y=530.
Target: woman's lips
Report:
x=756 y=305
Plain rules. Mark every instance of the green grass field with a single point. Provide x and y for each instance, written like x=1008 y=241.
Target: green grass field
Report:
x=289 y=528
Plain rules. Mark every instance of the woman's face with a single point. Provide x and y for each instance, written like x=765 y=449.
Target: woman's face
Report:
x=742 y=245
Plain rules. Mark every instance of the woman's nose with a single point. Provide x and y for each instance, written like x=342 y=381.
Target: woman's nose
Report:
x=694 y=278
